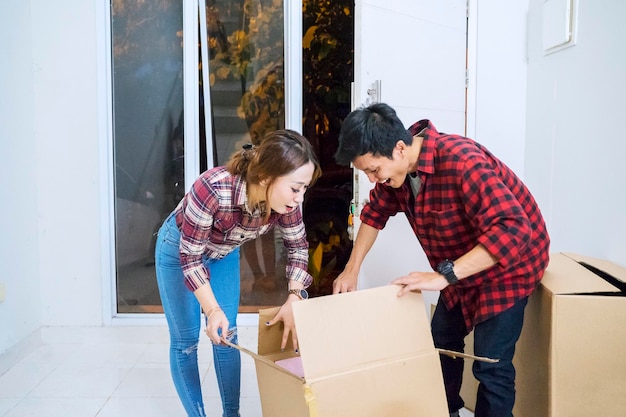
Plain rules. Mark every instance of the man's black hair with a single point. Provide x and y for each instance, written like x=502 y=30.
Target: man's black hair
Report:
x=373 y=129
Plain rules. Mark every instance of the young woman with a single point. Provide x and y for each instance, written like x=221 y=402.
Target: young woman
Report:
x=197 y=255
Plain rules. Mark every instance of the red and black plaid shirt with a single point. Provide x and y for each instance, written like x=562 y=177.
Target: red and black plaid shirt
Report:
x=469 y=197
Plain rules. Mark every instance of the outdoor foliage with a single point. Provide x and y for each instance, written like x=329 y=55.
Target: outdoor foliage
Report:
x=253 y=54
x=245 y=39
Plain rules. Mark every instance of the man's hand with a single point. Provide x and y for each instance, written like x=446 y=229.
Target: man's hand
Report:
x=421 y=281
x=345 y=282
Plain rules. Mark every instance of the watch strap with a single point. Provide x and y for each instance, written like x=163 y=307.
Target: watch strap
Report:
x=446 y=268
x=298 y=292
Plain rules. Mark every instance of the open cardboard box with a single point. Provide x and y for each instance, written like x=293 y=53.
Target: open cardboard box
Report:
x=570 y=357
x=367 y=353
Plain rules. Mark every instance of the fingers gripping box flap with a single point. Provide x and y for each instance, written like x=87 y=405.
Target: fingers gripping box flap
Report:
x=365 y=354
x=270 y=337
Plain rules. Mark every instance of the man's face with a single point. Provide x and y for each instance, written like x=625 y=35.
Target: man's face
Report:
x=391 y=172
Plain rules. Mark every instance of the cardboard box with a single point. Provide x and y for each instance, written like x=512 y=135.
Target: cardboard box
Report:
x=364 y=354
x=570 y=357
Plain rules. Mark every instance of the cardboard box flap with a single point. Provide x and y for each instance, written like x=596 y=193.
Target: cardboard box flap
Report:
x=607 y=270
x=356 y=329
x=565 y=275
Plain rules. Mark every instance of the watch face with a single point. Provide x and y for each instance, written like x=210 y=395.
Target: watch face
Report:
x=445 y=267
x=302 y=294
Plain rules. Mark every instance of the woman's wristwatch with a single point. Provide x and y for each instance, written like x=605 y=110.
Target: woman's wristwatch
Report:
x=301 y=293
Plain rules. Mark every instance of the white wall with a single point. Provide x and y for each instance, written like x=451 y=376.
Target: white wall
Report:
x=20 y=313
x=575 y=141
x=65 y=119
x=50 y=217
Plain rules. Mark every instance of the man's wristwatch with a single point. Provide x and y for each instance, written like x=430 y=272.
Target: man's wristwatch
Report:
x=301 y=293
x=446 y=268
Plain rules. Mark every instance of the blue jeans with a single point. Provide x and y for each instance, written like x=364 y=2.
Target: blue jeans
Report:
x=493 y=338
x=183 y=314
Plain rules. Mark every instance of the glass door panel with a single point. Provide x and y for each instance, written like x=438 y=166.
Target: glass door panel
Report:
x=147 y=85
x=246 y=73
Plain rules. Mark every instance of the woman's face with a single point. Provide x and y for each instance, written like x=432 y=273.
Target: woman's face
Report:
x=287 y=192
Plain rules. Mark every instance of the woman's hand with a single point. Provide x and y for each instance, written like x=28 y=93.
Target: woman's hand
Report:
x=285 y=314
x=215 y=320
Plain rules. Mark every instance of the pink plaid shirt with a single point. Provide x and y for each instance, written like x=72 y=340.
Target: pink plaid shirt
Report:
x=214 y=219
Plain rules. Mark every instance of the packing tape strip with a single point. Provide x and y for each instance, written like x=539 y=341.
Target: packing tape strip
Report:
x=311 y=402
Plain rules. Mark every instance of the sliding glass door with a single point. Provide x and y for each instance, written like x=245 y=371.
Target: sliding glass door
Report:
x=178 y=111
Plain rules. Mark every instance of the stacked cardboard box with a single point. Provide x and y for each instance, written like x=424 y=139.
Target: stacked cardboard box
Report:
x=570 y=357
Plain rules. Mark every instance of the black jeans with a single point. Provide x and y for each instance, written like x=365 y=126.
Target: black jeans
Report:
x=494 y=338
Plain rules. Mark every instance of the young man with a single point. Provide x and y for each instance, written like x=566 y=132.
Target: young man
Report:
x=477 y=223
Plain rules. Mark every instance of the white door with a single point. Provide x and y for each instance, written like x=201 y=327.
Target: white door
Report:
x=417 y=49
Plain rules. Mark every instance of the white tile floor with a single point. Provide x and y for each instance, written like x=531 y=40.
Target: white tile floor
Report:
x=113 y=372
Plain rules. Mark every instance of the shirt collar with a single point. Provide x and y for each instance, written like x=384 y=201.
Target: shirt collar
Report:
x=240 y=197
x=426 y=159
